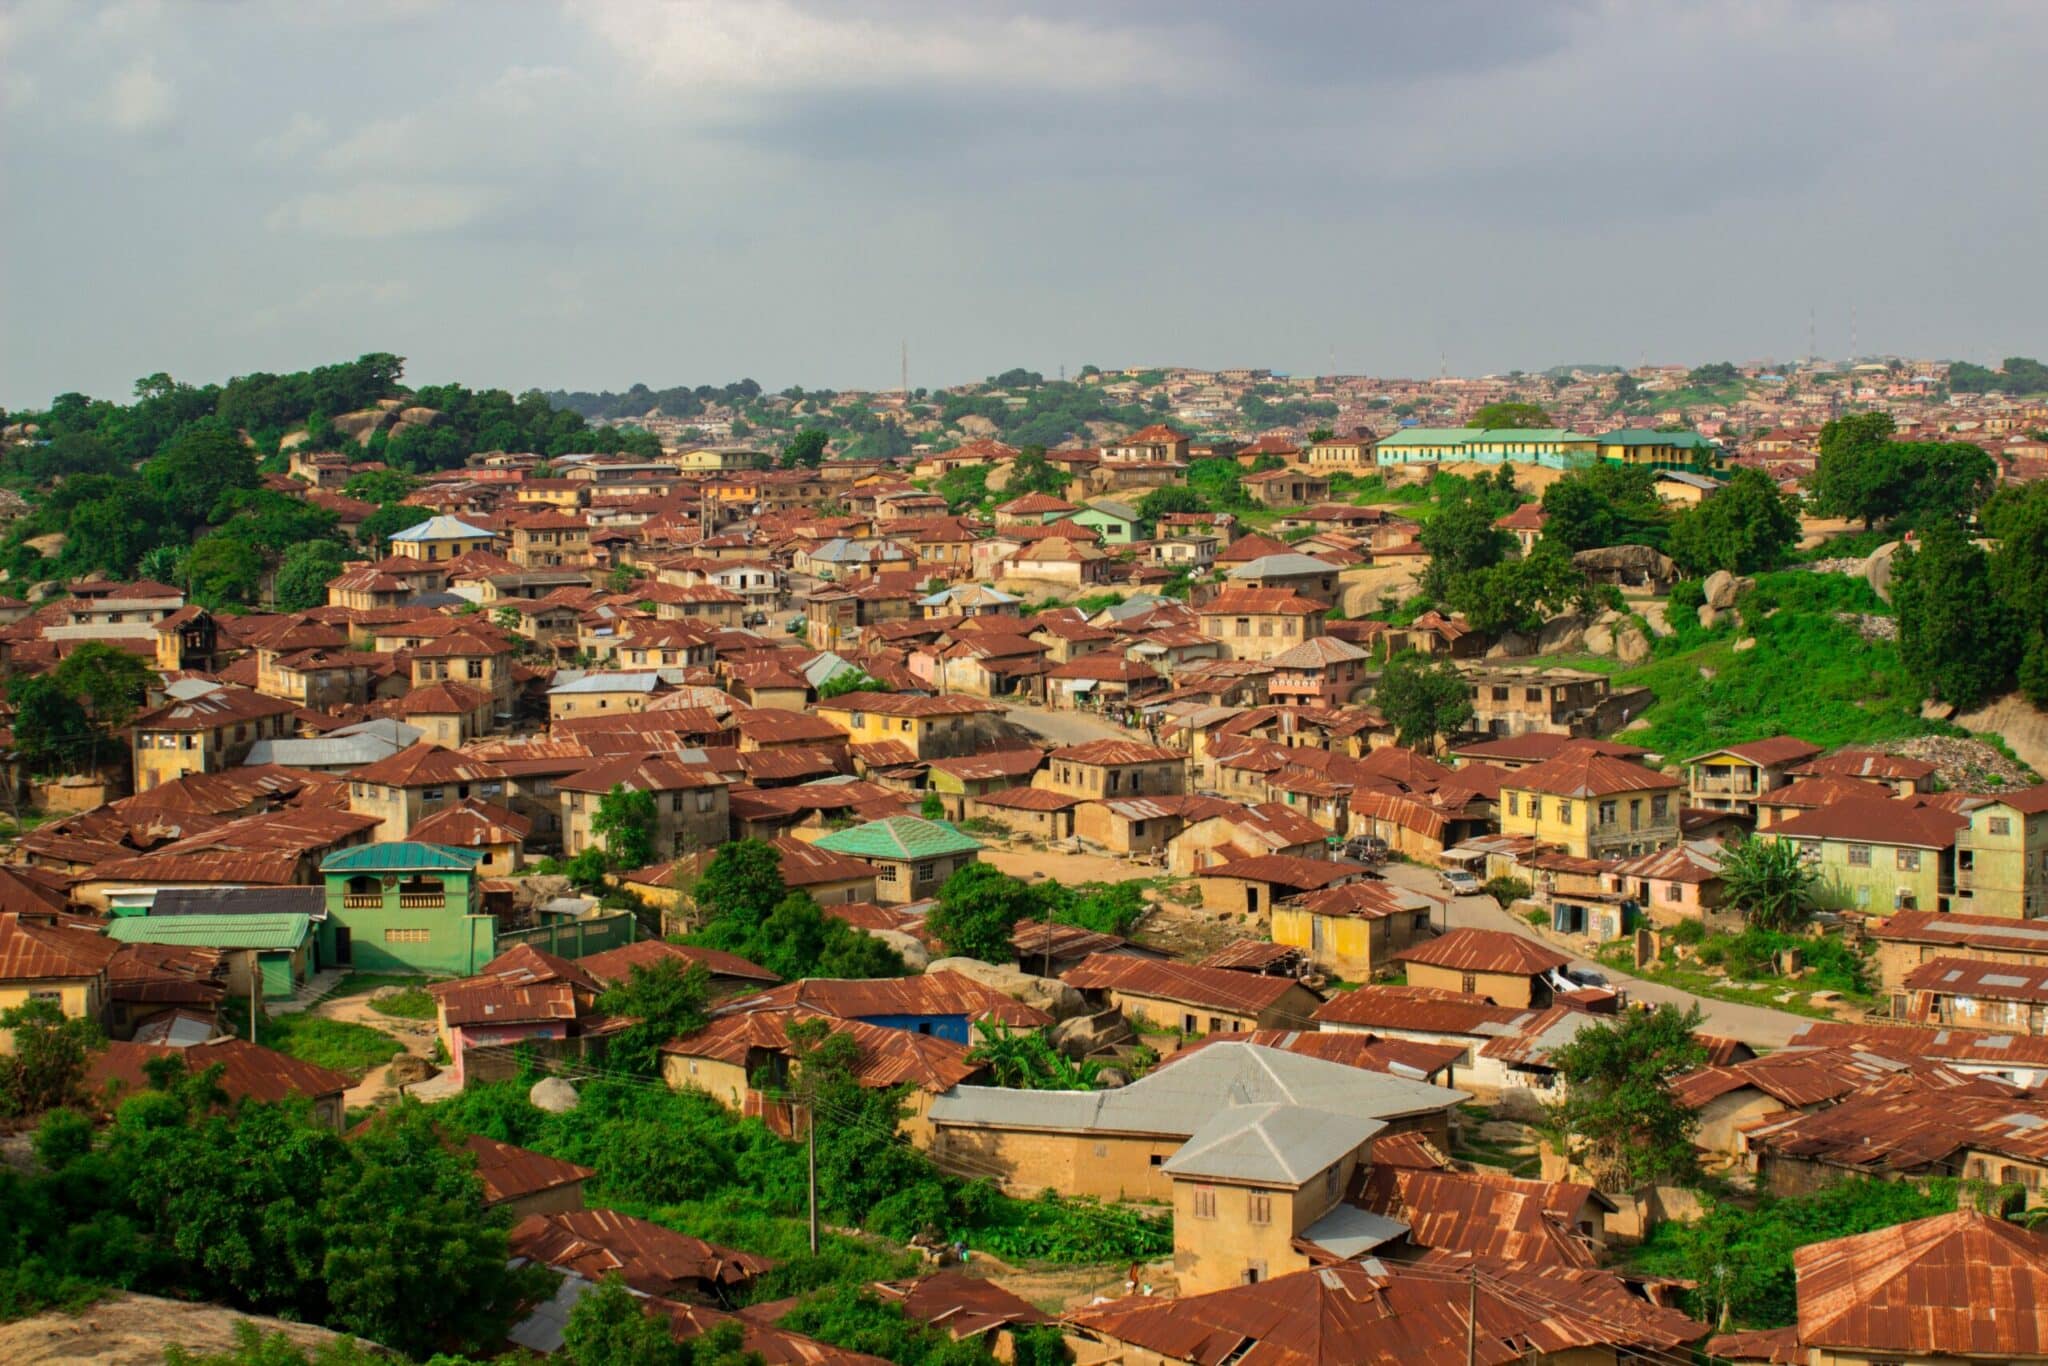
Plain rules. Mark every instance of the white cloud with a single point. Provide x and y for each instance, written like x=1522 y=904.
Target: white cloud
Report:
x=727 y=47
x=381 y=210
x=139 y=99
x=301 y=133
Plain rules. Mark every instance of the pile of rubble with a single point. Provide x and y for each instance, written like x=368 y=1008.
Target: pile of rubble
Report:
x=1962 y=765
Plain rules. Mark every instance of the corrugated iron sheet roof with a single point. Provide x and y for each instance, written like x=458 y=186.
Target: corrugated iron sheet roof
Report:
x=1961 y=1284
x=1211 y=988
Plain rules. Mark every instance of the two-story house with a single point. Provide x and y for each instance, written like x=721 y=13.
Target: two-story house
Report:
x=1732 y=777
x=406 y=907
x=205 y=734
x=1591 y=805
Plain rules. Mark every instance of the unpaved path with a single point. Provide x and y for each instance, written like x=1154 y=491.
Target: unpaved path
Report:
x=416 y=1035
x=1758 y=1026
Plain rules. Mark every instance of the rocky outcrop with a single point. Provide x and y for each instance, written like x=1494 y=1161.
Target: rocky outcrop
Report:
x=1084 y=1036
x=1049 y=994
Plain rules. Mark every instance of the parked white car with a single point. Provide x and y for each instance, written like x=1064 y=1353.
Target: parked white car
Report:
x=1458 y=882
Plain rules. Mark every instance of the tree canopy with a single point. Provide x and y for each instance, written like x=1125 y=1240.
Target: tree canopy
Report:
x=1957 y=637
x=1747 y=526
x=1618 y=1113
x=1523 y=416
x=1424 y=701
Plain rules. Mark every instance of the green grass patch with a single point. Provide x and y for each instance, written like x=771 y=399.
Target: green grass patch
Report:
x=1809 y=674
x=412 y=1003
x=362 y=983
x=355 y=1049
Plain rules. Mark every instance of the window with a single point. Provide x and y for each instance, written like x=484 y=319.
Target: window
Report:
x=1259 y=1207
x=1608 y=811
x=1514 y=803
x=1674 y=891
x=1469 y=984
x=1660 y=808
x=1564 y=810
x=55 y=998
x=1215 y=1025
x=431 y=794
x=1204 y=1202
x=924 y=872
x=1999 y=825
x=1137 y=828
x=1532 y=695
x=1156 y=1160
x=1332 y=1179
x=408 y=936
x=1535 y=808
x=705 y=801
x=1500 y=694
x=1859 y=856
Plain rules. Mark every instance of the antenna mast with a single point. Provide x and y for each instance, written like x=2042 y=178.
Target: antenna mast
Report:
x=906 y=368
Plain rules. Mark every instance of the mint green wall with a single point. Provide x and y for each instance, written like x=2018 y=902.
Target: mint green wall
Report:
x=460 y=939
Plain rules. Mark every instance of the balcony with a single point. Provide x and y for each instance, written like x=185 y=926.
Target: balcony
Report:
x=360 y=902
x=422 y=901
x=1743 y=785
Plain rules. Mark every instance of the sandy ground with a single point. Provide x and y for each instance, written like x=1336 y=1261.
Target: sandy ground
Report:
x=1066 y=727
x=416 y=1035
x=133 y=1330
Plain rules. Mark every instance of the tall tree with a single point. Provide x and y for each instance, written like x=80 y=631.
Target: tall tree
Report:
x=1620 y=1117
x=665 y=1001
x=2018 y=517
x=627 y=821
x=806 y=449
x=1747 y=526
x=1519 y=595
x=1423 y=700
x=1460 y=538
x=1956 y=637
x=304 y=574
x=1605 y=504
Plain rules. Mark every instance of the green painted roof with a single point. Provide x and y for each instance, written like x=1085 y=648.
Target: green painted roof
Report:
x=1432 y=436
x=1643 y=436
x=1558 y=434
x=402 y=856
x=214 y=931
x=899 y=837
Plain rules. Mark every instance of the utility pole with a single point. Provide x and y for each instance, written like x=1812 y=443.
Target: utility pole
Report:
x=811 y=1144
x=255 y=989
x=1472 y=1316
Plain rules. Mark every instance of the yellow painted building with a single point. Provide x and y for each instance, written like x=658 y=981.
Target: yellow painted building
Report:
x=65 y=966
x=1592 y=805
x=1352 y=931
x=440 y=538
x=2002 y=856
x=204 y=734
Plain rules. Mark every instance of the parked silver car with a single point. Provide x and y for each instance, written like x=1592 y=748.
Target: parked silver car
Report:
x=1458 y=882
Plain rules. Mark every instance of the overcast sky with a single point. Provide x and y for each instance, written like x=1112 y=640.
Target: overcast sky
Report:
x=585 y=195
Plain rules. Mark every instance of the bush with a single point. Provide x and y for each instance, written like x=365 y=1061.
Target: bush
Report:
x=1537 y=917
x=1686 y=932
x=1508 y=890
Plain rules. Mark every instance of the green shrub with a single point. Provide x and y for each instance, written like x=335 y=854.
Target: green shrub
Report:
x=1538 y=917
x=413 y=1003
x=1507 y=890
x=1686 y=932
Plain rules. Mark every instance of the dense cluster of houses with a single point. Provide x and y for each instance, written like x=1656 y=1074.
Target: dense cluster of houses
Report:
x=824 y=660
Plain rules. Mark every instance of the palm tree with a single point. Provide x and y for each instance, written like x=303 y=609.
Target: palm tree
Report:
x=1028 y=1062
x=1770 y=883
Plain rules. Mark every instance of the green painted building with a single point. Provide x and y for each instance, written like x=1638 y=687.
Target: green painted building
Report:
x=912 y=856
x=1550 y=447
x=1659 y=450
x=406 y=907
x=1116 y=523
x=283 y=945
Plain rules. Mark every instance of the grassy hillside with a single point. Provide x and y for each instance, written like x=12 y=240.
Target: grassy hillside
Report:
x=1811 y=673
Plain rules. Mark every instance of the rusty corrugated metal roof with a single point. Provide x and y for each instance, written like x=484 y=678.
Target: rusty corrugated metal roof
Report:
x=1965 y=1284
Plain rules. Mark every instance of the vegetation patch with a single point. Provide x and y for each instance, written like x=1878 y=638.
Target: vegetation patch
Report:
x=345 y=1046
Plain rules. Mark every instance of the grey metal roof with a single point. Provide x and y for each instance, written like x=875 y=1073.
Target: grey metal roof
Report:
x=1267 y=566
x=1349 y=1231
x=1137 y=604
x=643 y=680
x=384 y=727
x=1270 y=1144
x=1184 y=1095
x=185 y=689
x=439 y=528
x=329 y=751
